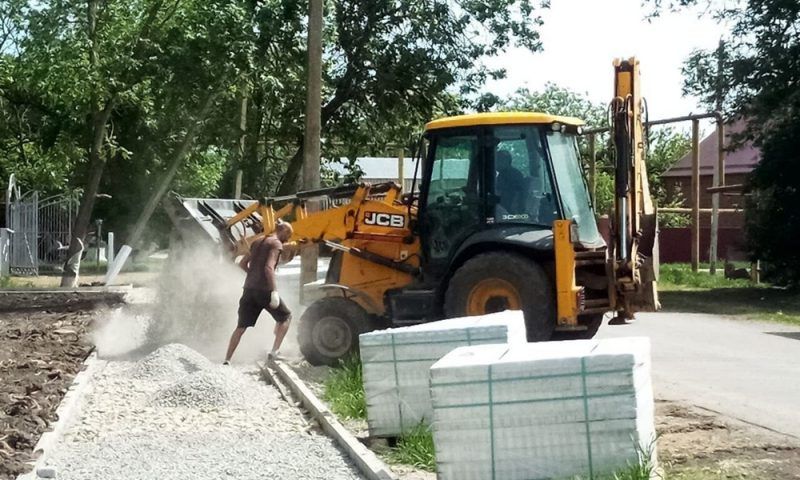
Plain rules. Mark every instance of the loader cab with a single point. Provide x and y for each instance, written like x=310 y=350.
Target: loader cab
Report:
x=499 y=178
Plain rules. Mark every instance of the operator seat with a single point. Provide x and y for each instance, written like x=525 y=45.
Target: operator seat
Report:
x=509 y=184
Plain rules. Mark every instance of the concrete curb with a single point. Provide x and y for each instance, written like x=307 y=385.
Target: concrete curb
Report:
x=68 y=411
x=367 y=462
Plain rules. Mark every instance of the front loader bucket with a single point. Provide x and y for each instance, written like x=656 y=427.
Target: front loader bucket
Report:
x=207 y=217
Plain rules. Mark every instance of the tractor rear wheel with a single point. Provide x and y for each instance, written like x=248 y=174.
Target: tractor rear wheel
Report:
x=497 y=281
x=329 y=329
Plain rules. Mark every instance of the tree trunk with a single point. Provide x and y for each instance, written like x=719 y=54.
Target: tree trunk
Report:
x=97 y=162
x=98 y=120
x=289 y=182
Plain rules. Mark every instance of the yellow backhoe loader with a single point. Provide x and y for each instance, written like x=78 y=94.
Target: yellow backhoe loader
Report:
x=502 y=220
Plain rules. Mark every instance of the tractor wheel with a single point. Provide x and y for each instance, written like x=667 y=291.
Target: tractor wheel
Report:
x=592 y=323
x=493 y=282
x=329 y=329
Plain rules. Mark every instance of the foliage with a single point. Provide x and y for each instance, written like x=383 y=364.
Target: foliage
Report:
x=344 y=389
x=557 y=101
x=391 y=66
x=755 y=74
x=772 y=216
x=416 y=448
x=388 y=68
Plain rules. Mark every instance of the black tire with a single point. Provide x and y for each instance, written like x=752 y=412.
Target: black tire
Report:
x=533 y=287
x=592 y=323
x=329 y=329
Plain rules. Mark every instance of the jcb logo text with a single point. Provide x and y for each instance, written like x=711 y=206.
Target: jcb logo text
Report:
x=384 y=219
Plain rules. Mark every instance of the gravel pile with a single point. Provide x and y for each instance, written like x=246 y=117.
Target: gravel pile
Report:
x=215 y=387
x=169 y=362
x=173 y=415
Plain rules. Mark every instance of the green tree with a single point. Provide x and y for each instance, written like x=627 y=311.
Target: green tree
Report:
x=757 y=74
x=391 y=66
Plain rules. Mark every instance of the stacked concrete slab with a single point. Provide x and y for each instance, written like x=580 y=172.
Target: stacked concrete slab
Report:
x=396 y=364
x=544 y=410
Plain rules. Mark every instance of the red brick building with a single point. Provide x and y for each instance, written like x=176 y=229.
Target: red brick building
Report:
x=739 y=162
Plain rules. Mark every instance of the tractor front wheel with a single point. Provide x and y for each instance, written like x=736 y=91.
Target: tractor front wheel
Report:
x=329 y=328
x=497 y=281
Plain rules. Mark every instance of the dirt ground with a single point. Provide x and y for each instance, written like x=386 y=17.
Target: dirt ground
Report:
x=698 y=444
x=693 y=444
x=40 y=354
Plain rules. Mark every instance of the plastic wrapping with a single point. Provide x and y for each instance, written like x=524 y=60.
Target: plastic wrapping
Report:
x=396 y=363
x=542 y=410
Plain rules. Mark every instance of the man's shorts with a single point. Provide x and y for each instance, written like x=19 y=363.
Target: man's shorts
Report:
x=253 y=302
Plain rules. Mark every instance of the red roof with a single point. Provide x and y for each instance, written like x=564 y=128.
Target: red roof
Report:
x=741 y=160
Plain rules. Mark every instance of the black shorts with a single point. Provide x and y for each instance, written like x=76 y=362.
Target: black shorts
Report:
x=253 y=302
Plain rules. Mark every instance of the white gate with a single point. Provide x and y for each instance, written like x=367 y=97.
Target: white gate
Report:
x=41 y=229
x=22 y=217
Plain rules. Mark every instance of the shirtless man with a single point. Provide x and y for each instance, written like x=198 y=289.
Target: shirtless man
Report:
x=260 y=290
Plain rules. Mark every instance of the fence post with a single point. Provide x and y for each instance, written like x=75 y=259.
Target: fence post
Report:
x=109 y=251
x=5 y=250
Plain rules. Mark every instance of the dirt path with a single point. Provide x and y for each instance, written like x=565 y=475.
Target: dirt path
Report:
x=40 y=353
x=696 y=444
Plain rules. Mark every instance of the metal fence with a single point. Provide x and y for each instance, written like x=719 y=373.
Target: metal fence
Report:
x=40 y=229
x=22 y=218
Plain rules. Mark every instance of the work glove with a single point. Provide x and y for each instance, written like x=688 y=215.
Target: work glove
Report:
x=274 y=299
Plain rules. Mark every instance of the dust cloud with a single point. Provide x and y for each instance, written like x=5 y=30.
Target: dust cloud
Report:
x=195 y=304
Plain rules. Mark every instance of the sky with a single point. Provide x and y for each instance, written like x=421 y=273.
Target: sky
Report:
x=582 y=37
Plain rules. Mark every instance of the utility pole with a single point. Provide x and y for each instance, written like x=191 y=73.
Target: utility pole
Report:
x=719 y=175
x=311 y=145
x=237 y=188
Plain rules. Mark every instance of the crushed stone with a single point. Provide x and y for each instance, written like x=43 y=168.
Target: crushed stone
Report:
x=169 y=362
x=174 y=415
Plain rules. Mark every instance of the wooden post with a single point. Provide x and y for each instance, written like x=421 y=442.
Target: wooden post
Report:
x=695 y=195
x=311 y=149
x=592 y=169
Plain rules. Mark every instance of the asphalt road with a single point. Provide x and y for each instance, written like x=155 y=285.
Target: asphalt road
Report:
x=743 y=369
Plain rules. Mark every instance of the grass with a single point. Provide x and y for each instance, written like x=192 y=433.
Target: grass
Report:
x=344 y=389
x=681 y=290
x=679 y=276
x=415 y=447
x=344 y=392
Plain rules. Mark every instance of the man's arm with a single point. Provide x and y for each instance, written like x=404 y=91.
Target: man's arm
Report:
x=244 y=263
x=273 y=256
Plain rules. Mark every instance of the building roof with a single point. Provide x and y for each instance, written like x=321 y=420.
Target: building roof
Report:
x=741 y=160
x=379 y=168
x=500 y=118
